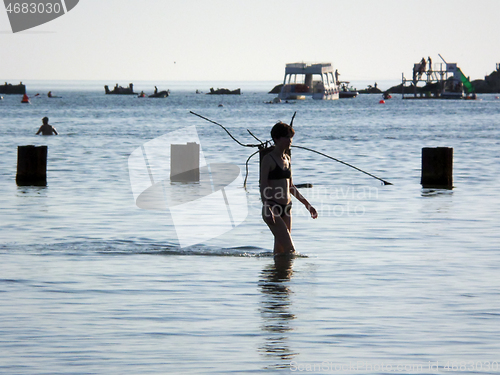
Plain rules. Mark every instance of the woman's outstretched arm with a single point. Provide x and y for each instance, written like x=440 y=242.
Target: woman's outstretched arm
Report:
x=296 y=193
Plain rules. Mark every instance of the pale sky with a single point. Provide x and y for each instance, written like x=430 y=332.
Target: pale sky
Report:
x=250 y=40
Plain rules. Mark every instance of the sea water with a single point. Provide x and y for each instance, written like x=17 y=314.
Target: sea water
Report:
x=391 y=278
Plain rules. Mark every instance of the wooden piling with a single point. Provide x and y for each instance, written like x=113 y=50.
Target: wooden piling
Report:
x=31 y=166
x=437 y=168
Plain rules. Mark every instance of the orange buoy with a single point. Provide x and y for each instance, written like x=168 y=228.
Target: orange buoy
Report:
x=382 y=101
x=25 y=99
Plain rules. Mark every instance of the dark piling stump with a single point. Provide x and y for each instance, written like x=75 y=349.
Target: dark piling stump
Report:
x=437 y=168
x=31 y=166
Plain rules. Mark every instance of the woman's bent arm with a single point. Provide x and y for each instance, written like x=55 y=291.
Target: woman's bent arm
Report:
x=296 y=193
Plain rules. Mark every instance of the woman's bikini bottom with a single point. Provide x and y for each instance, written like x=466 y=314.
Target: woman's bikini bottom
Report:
x=282 y=209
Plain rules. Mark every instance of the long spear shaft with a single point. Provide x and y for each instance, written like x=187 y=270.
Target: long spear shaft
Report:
x=343 y=162
x=305 y=148
x=227 y=131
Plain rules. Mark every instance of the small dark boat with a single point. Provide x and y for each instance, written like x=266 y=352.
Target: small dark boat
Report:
x=346 y=91
x=348 y=94
x=160 y=94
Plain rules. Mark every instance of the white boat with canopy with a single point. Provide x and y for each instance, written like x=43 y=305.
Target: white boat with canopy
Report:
x=313 y=80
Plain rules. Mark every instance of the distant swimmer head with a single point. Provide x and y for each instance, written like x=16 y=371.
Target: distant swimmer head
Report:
x=45 y=120
x=281 y=129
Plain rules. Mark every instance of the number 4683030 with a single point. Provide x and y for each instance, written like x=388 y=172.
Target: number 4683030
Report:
x=33 y=8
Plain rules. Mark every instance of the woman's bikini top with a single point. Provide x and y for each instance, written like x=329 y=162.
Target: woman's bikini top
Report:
x=278 y=173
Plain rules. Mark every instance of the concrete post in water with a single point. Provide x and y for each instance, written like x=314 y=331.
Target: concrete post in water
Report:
x=31 y=166
x=437 y=167
x=185 y=162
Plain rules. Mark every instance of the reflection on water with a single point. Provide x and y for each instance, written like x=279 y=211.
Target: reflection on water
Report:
x=31 y=191
x=427 y=192
x=276 y=315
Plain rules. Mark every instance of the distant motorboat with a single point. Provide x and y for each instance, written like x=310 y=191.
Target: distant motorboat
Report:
x=346 y=91
x=160 y=94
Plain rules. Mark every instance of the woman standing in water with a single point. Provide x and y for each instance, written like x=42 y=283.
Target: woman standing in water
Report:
x=276 y=189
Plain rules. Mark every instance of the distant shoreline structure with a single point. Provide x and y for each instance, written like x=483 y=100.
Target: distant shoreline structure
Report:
x=174 y=86
x=10 y=89
x=34 y=85
x=489 y=85
x=119 y=90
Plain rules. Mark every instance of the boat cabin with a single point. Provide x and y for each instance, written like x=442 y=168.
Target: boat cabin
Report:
x=314 y=80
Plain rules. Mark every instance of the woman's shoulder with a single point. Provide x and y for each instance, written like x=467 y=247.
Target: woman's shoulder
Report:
x=266 y=162
x=268 y=158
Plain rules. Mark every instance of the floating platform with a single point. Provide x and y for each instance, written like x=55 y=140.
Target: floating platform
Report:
x=119 y=90
x=9 y=89
x=439 y=81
